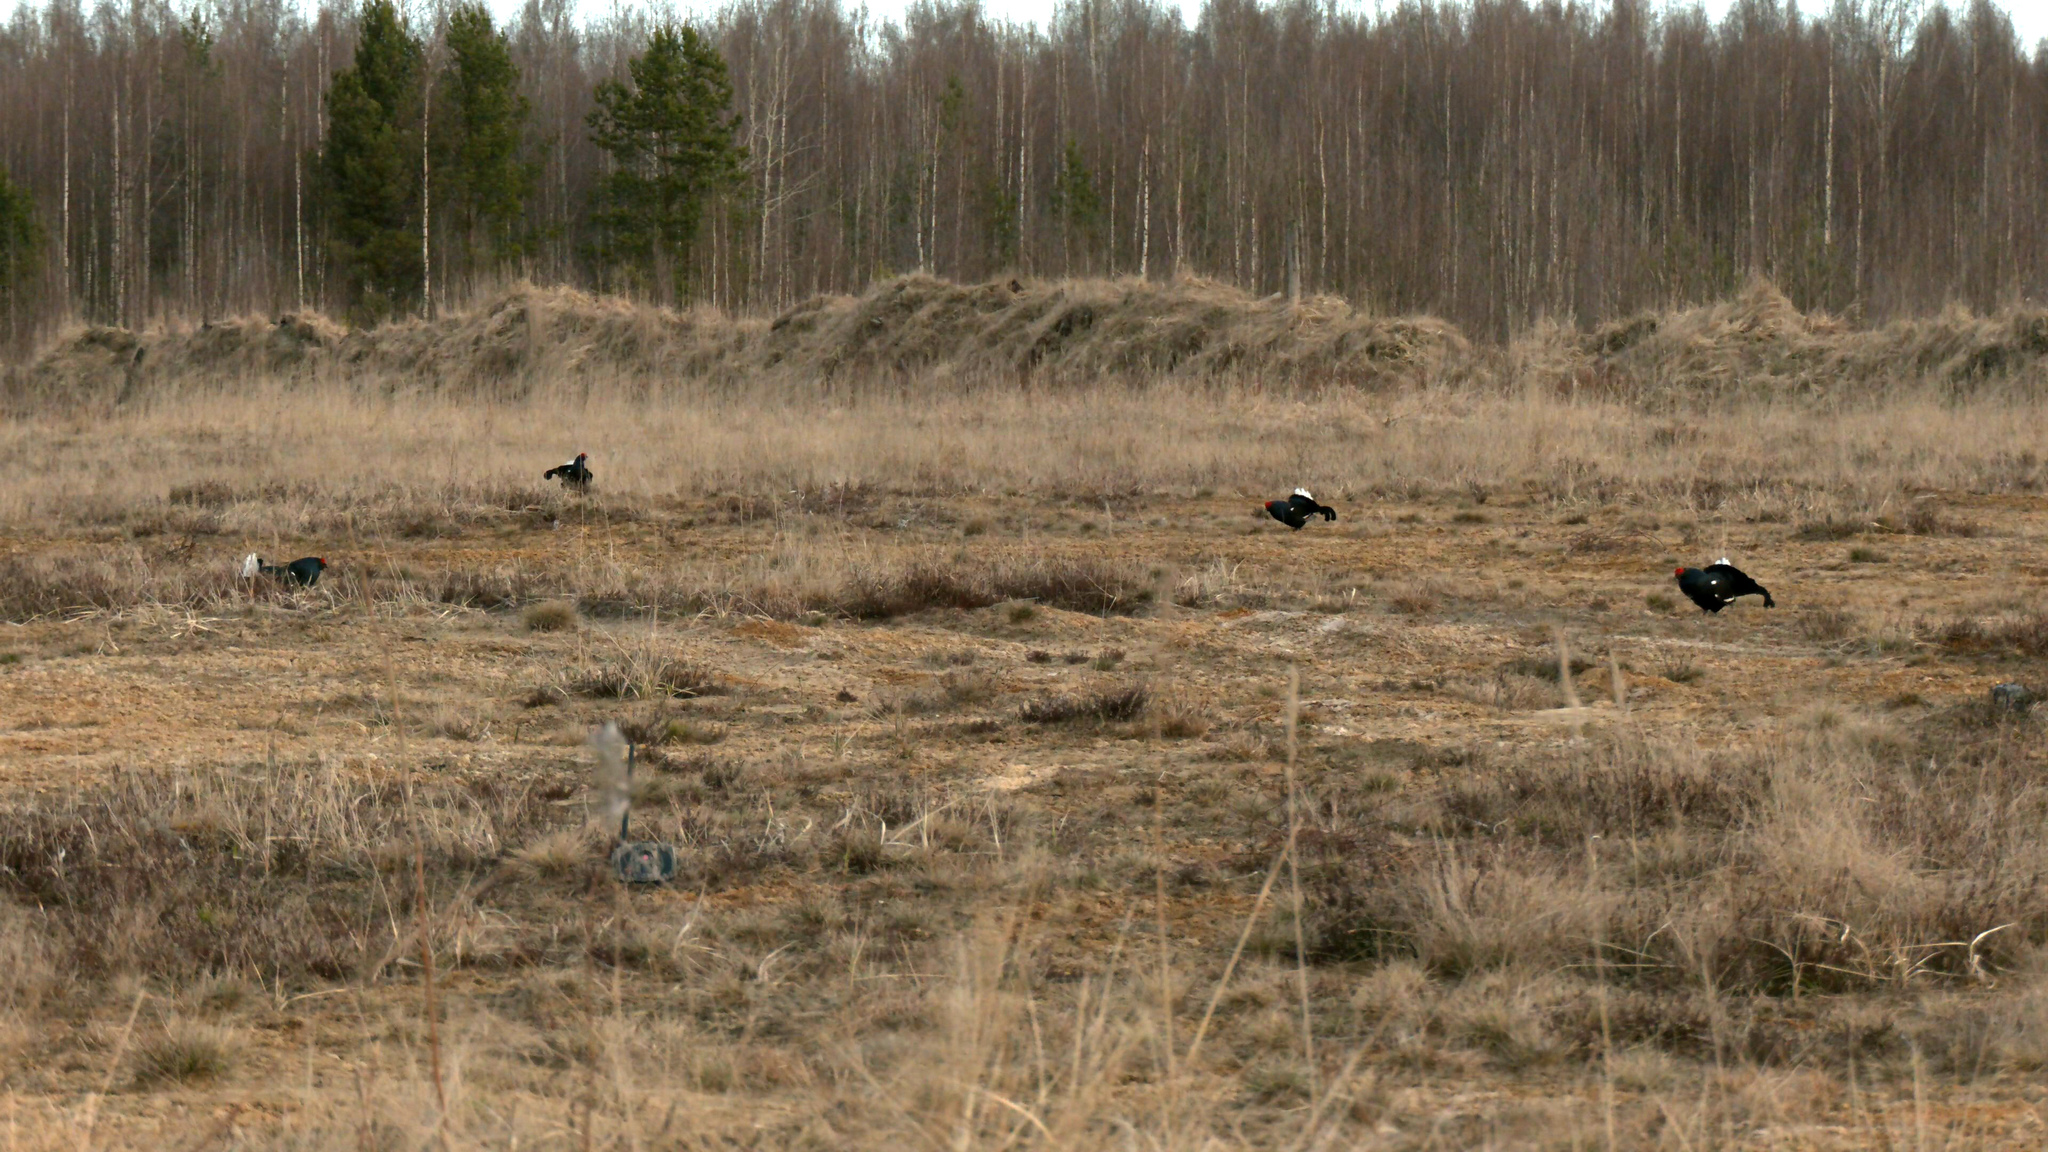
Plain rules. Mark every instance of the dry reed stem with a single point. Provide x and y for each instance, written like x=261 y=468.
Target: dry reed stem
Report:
x=1166 y=1012
x=433 y=1016
x=1251 y=921
x=1564 y=669
x=92 y=1102
x=1308 y=1042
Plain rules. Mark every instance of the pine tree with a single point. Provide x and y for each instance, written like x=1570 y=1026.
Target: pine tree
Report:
x=671 y=137
x=1076 y=202
x=370 y=167
x=21 y=241
x=481 y=178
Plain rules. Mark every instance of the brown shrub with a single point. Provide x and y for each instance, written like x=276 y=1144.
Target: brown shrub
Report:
x=2025 y=635
x=1115 y=704
x=54 y=584
x=549 y=616
x=643 y=676
x=1927 y=520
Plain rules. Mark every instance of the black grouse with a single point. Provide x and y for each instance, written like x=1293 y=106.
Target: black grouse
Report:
x=574 y=474
x=1296 y=509
x=305 y=571
x=1717 y=585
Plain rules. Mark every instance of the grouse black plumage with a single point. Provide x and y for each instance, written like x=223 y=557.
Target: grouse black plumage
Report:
x=305 y=571
x=1717 y=585
x=1296 y=509
x=574 y=474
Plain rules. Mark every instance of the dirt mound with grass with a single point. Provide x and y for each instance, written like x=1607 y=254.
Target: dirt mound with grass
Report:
x=913 y=326
x=1760 y=343
x=1106 y=327
x=1757 y=343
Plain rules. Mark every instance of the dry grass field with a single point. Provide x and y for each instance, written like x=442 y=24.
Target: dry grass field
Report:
x=1033 y=789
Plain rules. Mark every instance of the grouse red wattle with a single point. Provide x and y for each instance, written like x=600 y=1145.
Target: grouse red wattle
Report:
x=574 y=474
x=1717 y=585
x=305 y=571
x=1298 y=508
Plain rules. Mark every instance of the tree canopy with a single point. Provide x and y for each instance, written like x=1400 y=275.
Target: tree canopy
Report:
x=670 y=135
x=479 y=173
x=371 y=166
x=21 y=241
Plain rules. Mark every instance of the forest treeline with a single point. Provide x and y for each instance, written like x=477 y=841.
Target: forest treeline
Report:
x=1493 y=163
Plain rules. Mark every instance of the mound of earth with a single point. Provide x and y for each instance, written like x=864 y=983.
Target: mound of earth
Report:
x=910 y=326
x=1759 y=342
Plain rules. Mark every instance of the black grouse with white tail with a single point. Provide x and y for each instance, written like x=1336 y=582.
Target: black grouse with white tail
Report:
x=305 y=571
x=1717 y=585
x=574 y=474
x=1298 y=508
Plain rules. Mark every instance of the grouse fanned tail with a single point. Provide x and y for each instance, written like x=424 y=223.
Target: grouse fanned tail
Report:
x=574 y=474
x=305 y=571
x=1297 y=509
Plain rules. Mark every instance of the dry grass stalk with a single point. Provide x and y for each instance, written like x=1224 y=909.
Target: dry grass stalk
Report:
x=92 y=1102
x=427 y=1008
x=1308 y=1043
x=1564 y=669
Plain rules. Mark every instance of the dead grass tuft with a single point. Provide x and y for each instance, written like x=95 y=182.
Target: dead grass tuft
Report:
x=1180 y=717
x=642 y=676
x=458 y=724
x=1509 y=691
x=1926 y=519
x=2022 y=635
x=1826 y=625
x=184 y=1053
x=1115 y=704
x=1678 y=667
x=549 y=616
x=1831 y=528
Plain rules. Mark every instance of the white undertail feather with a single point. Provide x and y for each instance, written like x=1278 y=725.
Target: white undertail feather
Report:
x=1722 y=560
x=613 y=789
x=250 y=564
x=1302 y=492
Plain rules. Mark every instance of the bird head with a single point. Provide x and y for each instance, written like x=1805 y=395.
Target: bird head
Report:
x=1680 y=572
x=322 y=560
x=582 y=456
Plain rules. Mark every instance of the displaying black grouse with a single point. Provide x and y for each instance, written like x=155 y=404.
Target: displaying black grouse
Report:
x=1296 y=509
x=574 y=474
x=1717 y=585
x=305 y=571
